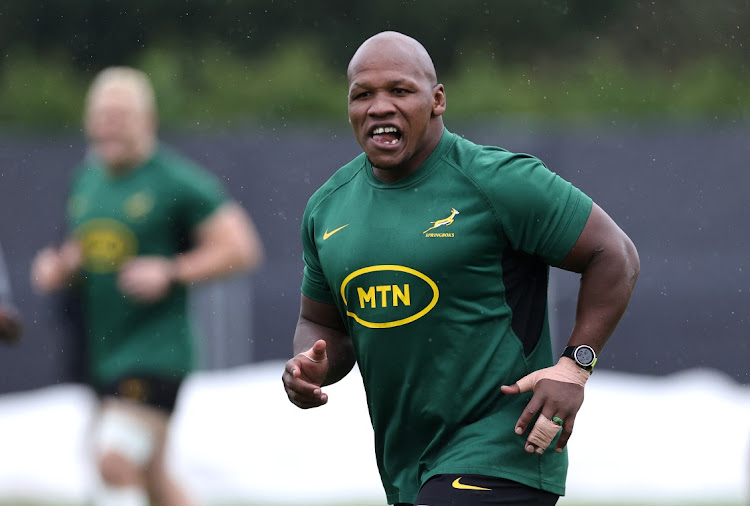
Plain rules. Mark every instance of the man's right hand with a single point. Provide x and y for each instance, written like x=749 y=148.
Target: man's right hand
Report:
x=304 y=374
x=52 y=268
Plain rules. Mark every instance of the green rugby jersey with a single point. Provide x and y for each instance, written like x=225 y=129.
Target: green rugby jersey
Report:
x=441 y=279
x=150 y=210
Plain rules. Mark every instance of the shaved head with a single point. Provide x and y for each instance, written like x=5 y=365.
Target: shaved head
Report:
x=397 y=46
x=395 y=103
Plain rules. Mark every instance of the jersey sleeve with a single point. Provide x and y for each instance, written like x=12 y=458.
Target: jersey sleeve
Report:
x=200 y=193
x=314 y=284
x=540 y=213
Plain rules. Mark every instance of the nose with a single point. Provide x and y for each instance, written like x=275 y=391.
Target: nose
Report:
x=381 y=105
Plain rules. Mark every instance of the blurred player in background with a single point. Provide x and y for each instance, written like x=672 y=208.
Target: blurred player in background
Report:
x=426 y=262
x=10 y=322
x=145 y=224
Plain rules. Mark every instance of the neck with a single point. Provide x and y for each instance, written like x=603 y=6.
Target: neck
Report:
x=140 y=156
x=411 y=165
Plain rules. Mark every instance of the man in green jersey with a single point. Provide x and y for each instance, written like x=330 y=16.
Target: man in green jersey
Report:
x=146 y=223
x=426 y=263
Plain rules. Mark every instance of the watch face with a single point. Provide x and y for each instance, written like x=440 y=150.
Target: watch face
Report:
x=584 y=355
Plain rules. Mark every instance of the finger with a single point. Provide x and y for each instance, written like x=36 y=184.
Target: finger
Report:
x=292 y=369
x=510 y=389
x=301 y=392
x=525 y=384
x=305 y=399
x=542 y=434
x=534 y=405
x=566 y=433
x=291 y=364
x=318 y=351
x=306 y=402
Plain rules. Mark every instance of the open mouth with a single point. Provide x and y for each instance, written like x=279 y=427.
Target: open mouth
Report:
x=388 y=135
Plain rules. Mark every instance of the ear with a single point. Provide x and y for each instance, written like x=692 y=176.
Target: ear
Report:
x=438 y=100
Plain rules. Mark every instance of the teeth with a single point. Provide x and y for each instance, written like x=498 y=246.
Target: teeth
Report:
x=383 y=130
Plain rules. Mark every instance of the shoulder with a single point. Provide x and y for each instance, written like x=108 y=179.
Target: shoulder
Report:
x=85 y=172
x=171 y=162
x=483 y=161
x=514 y=182
x=337 y=182
x=494 y=170
x=171 y=166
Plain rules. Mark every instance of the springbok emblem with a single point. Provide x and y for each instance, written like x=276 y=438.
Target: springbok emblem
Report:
x=445 y=221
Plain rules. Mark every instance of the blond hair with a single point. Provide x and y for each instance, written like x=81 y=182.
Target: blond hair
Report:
x=125 y=78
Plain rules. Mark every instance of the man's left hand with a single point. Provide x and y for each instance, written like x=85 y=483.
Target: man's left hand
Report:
x=146 y=278
x=558 y=395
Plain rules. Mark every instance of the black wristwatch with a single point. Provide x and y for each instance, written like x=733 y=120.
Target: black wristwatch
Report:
x=583 y=355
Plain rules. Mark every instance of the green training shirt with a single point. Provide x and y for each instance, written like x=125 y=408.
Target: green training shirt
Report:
x=441 y=279
x=150 y=210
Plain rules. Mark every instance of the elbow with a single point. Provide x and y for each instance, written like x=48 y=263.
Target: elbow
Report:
x=250 y=255
x=617 y=261
x=631 y=261
x=254 y=259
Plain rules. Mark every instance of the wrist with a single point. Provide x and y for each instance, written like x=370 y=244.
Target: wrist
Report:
x=582 y=355
x=570 y=371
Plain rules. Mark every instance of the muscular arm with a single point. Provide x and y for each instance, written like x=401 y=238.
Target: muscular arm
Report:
x=609 y=266
x=226 y=243
x=323 y=321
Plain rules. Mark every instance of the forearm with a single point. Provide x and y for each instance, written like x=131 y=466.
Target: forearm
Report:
x=606 y=286
x=339 y=348
x=208 y=262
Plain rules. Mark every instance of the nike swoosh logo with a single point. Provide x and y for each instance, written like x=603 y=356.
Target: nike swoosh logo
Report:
x=457 y=484
x=328 y=234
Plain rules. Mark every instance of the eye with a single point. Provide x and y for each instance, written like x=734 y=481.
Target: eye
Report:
x=400 y=91
x=360 y=95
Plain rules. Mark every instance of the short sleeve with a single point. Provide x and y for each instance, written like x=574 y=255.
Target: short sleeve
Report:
x=314 y=284
x=199 y=194
x=540 y=213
